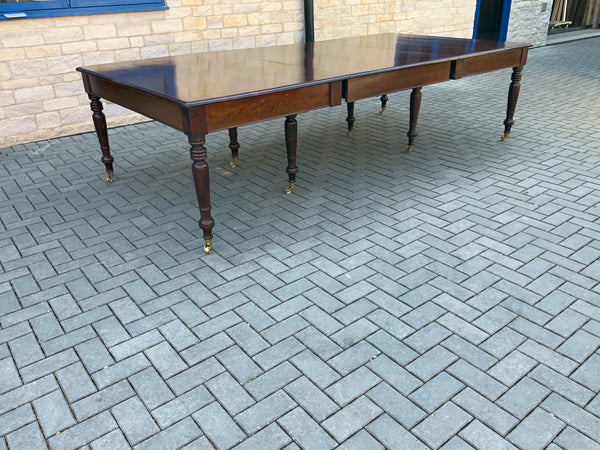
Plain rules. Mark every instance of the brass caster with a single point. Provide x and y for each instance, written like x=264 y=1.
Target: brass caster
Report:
x=410 y=148
x=207 y=246
x=505 y=137
x=290 y=188
x=234 y=161
x=350 y=132
x=109 y=177
x=382 y=110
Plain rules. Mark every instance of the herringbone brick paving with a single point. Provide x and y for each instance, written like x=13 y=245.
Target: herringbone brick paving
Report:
x=446 y=298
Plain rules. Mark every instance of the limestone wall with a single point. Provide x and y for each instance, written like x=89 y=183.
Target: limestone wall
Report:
x=529 y=21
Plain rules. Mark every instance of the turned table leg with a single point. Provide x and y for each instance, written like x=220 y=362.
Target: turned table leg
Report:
x=350 y=118
x=202 y=184
x=415 y=106
x=384 y=99
x=513 y=96
x=101 y=131
x=291 y=141
x=234 y=146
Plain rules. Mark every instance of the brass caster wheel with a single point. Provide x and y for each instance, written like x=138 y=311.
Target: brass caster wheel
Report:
x=290 y=188
x=234 y=161
x=207 y=246
x=505 y=137
x=382 y=110
x=410 y=148
x=349 y=132
x=110 y=176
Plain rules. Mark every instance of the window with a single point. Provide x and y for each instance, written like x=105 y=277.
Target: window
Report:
x=19 y=9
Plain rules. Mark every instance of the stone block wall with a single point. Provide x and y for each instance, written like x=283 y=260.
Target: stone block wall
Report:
x=529 y=21
x=342 y=18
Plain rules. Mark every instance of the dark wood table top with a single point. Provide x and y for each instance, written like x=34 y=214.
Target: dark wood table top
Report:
x=203 y=78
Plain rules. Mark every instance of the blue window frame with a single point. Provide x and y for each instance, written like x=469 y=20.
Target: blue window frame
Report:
x=18 y=9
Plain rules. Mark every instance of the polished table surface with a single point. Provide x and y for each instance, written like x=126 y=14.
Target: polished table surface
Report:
x=200 y=93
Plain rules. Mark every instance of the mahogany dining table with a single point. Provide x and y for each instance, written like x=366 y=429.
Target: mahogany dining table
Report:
x=205 y=92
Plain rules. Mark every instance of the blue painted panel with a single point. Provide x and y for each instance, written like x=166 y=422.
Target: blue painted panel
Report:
x=61 y=8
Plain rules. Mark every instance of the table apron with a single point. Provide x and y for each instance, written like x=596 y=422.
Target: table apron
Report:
x=488 y=62
x=157 y=108
x=397 y=80
x=256 y=108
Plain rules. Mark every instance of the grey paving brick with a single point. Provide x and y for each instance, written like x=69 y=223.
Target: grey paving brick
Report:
x=392 y=347
x=284 y=329
x=480 y=436
x=512 y=368
x=111 y=331
x=272 y=380
x=321 y=320
x=305 y=430
x=494 y=319
x=25 y=350
x=587 y=373
x=86 y=431
x=165 y=359
x=389 y=323
x=579 y=346
x=536 y=333
x=75 y=382
x=239 y=364
x=120 y=370
x=151 y=388
x=431 y=363
x=230 y=394
x=216 y=325
x=436 y=391
x=393 y=435
x=456 y=443
x=102 y=400
x=26 y=393
x=311 y=398
x=361 y=440
x=206 y=348
x=537 y=430
x=29 y=437
x=113 y=440
x=195 y=375
x=571 y=438
x=427 y=337
x=567 y=322
x=523 y=397
x=46 y=327
x=9 y=375
x=218 y=426
x=126 y=310
x=321 y=295
x=354 y=333
x=94 y=355
x=53 y=413
x=16 y=418
x=318 y=342
x=86 y=318
x=396 y=405
x=253 y=315
x=271 y=437
x=503 y=342
x=394 y=374
x=353 y=357
x=173 y=437
x=315 y=369
x=470 y=353
x=182 y=406
x=352 y=386
x=442 y=425
x=189 y=313
x=560 y=384
x=547 y=356
x=486 y=411
x=462 y=328
x=134 y=420
x=264 y=412
x=354 y=311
